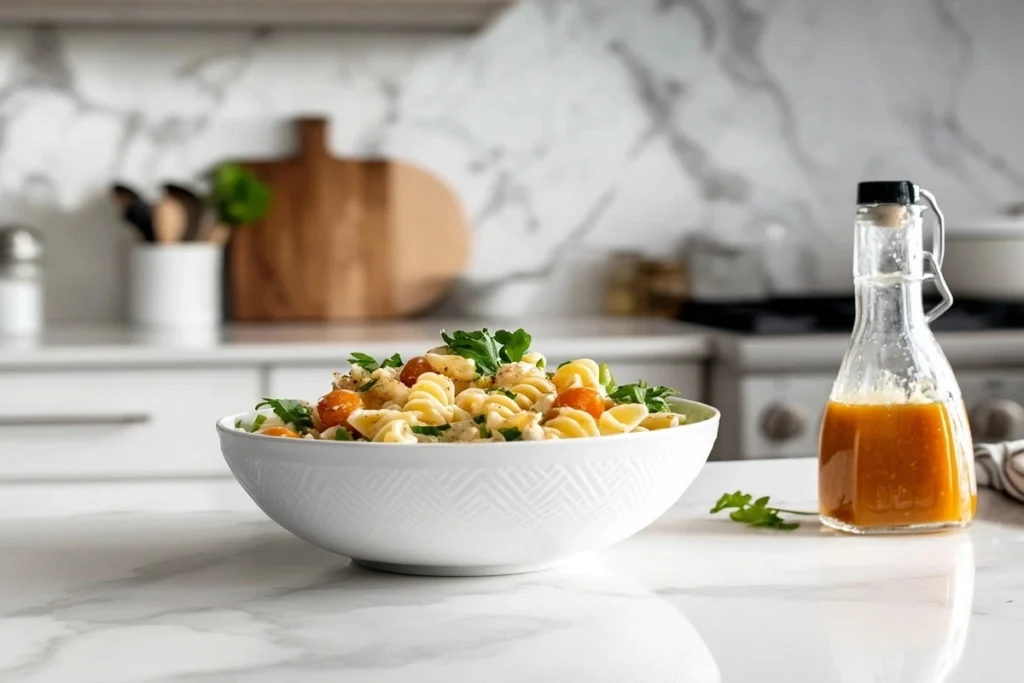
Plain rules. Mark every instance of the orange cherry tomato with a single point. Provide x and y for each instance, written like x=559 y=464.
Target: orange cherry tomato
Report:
x=413 y=369
x=280 y=431
x=580 y=398
x=335 y=407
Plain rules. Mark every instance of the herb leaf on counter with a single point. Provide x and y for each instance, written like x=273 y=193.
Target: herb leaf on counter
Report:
x=290 y=411
x=652 y=397
x=756 y=513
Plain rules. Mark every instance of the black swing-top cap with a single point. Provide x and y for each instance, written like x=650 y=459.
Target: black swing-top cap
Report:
x=887 y=192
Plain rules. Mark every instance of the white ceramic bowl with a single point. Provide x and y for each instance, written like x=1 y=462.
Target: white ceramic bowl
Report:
x=470 y=509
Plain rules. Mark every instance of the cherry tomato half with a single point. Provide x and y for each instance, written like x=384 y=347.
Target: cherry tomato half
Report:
x=335 y=408
x=280 y=431
x=580 y=398
x=413 y=369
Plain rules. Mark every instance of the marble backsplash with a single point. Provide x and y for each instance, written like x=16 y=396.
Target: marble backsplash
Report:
x=569 y=129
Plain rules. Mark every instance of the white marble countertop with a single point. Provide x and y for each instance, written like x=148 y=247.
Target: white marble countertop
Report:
x=83 y=345
x=228 y=596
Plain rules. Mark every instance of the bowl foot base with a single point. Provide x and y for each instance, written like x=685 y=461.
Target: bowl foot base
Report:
x=444 y=570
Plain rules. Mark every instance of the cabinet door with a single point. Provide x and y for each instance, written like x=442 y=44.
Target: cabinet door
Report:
x=118 y=423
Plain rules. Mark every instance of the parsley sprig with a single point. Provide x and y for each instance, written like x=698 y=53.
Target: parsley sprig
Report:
x=756 y=513
x=291 y=412
x=488 y=351
x=369 y=363
x=652 y=397
x=427 y=430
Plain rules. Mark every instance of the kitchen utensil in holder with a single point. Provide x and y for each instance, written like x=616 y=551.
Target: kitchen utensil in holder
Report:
x=176 y=286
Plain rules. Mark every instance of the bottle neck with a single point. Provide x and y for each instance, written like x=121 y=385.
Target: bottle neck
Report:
x=888 y=268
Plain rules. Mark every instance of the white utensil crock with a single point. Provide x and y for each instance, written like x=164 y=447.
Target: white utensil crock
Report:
x=176 y=286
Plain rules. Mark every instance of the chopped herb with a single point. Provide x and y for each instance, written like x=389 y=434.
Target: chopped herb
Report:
x=431 y=431
x=369 y=363
x=238 y=424
x=541 y=364
x=366 y=387
x=480 y=419
x=364 y=361
x=504 y=392
x=605 y=377
x=257 y=423
x=511 y=434
x=563 y=364
x=756 y=514
x=291 y=412
x=550 y=375
x=513 y=344
x=488 y=351
x=652 y=397
x=342 y=435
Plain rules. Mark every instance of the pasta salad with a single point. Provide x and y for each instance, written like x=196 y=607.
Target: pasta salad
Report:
x=476 y=386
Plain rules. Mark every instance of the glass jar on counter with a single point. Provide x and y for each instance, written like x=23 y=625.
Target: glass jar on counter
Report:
x=21 y=281
x=895 y=453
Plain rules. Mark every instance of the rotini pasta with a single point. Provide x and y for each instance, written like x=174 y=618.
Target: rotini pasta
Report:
x=476 y=387
x=578 y=373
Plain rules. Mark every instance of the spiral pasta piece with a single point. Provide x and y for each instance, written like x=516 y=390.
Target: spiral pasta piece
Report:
x=578 y=373
x=622 y=419
x=431 y=399
x=661 y=421
x=397 y=431
x=500 y=404
x=370 y=422
x=528 y=424
x=572 y=424
x=535 y=359
x=471 y=400
x=452 y=366
x=531 y=389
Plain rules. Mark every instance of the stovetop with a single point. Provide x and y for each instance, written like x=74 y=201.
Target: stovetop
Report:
x=836 y=314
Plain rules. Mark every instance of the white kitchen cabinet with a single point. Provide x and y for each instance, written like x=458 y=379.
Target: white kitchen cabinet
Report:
x=463 y=15
x=118 y=423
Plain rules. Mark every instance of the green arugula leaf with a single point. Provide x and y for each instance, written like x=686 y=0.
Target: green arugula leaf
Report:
x=366 y=387
x=513 y=344
x=756 y=514
x=652 y=397
x=479 y=346
x=504 y=392
x=257 y=423
x=431 y=431
x=364 y=361
x=511 y=434
x=605 y=377
x=291 y=412
x=480 y=419
x=342 y=435
x=394 y=362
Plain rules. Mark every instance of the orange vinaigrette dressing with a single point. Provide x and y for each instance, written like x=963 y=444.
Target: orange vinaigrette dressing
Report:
x=892 y=465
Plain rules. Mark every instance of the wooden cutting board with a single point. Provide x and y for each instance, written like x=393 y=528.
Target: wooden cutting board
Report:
x=345 y=239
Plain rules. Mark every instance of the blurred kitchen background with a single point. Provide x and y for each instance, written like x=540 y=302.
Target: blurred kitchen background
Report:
x=567 y=130
x=666 y=185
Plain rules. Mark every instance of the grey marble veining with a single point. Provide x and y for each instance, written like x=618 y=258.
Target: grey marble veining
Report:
x=568 y=128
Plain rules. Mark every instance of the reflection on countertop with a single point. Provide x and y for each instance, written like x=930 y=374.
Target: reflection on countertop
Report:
x=224 y=596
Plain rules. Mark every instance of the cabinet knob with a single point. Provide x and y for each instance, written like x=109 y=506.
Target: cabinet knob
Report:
x=781 y=422
x=997 y=419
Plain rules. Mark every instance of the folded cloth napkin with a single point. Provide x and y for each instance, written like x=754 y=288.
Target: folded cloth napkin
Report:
x=1001 y=466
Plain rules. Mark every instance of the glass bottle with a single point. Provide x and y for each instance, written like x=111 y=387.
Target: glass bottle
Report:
x=895 y=453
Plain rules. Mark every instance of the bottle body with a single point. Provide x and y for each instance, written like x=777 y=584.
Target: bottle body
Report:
x=895 y=452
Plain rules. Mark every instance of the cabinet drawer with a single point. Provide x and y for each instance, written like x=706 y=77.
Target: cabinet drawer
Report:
x=118 y=423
